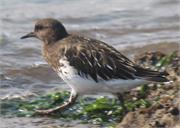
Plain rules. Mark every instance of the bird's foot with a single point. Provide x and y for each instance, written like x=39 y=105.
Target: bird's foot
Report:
x=121 y=99
x=52 y=110
x=44 y=112
x=66 y=105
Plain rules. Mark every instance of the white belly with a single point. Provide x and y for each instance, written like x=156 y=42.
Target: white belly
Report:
x=83 y=85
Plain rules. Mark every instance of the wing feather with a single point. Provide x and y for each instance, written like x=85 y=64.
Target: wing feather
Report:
x=96 y=59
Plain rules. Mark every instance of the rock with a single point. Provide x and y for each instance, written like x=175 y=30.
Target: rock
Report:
x=134 y=120
x=164 y=112
x=174 y=111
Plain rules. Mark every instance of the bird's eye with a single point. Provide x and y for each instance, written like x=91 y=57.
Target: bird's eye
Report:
x=38 y=27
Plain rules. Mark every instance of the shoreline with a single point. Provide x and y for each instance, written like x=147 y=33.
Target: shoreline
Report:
x=164 y=47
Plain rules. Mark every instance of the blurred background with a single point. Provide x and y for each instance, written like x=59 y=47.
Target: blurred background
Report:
x=121 y=23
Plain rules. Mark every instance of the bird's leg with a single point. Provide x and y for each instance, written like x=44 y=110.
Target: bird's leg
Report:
x=121 y=99
x=67 y=104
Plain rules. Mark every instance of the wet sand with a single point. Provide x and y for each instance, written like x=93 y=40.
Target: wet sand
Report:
x=27 y=122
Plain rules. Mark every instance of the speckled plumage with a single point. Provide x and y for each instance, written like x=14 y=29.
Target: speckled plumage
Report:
x=89 y=65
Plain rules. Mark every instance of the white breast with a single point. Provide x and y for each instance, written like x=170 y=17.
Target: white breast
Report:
x=83 y=85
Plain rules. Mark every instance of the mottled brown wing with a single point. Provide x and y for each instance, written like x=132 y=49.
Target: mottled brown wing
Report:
x=97 y=59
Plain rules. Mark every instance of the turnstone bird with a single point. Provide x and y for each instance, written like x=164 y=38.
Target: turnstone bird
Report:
x=88 y=66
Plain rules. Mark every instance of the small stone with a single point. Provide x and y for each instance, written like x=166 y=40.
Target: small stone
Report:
x=160 y=106
x=159 y=85
x=151 y=85
x=160 y=124
x=174 y=111
x=134 y=98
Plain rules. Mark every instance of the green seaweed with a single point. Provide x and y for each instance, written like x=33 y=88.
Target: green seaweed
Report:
x=166 y=60
x=131 y=106
x=143 y=91
x=102 y=111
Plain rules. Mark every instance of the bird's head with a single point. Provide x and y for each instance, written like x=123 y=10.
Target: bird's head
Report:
x=47 y=30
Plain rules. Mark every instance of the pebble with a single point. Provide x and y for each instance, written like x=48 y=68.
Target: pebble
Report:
x=174 y=111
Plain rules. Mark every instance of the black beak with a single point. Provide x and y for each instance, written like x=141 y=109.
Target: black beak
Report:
x=31 y=34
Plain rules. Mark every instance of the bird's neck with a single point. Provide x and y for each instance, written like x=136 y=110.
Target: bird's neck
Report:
x=53 y=39
x=51 y=55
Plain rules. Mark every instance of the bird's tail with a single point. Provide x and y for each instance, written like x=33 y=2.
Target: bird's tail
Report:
x=151 y=75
